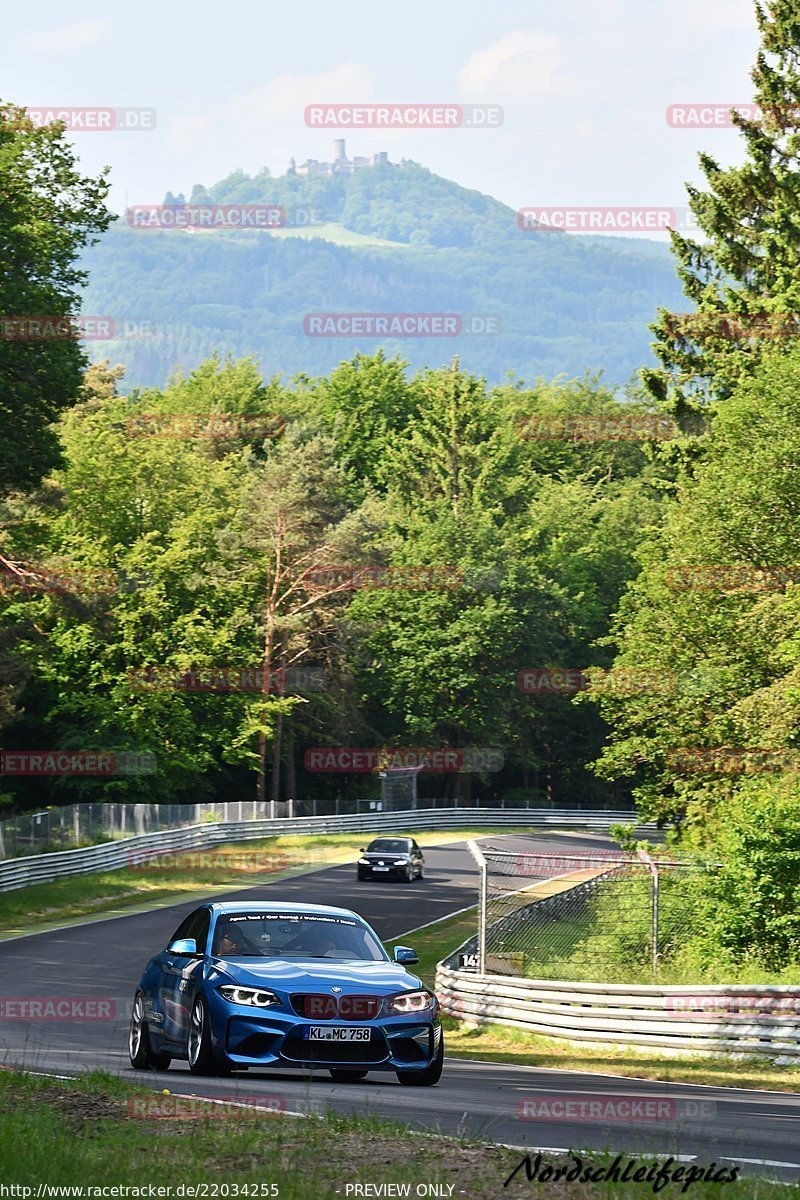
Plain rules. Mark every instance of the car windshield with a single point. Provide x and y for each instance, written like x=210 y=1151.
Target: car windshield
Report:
x=388 y=846
x=295 y=935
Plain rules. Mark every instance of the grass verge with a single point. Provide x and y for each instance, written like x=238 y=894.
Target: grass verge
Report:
x=499 y=1043
x=89 y=1133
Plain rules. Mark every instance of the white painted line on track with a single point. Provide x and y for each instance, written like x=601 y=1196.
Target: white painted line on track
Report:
x=234 y=1104
x=713 y=1087
x=758 y=1162
x=590 y=1150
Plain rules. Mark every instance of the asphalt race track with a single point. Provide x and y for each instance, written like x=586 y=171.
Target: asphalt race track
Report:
x=104 y=959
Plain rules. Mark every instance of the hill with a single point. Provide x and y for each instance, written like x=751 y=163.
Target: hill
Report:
x=386 y=239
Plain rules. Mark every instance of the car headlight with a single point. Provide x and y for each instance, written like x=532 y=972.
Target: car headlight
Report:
x=364 y=862
x=256 y=997
x=412 y=1002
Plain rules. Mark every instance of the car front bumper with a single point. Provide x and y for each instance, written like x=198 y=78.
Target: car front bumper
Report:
x=277 y=1039
x=396 y=871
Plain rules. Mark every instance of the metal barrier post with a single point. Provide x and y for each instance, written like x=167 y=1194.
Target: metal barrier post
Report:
x=483 y=896
x=482 y=919
x=655 y=920
x=645 y=857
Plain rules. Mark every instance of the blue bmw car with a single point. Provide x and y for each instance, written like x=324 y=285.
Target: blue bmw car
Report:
x=285 y=985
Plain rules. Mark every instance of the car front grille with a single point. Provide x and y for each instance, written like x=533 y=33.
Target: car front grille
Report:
x=315 y=1006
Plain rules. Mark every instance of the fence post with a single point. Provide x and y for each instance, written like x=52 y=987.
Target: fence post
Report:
x=477 y=854
x=645 y=857
x=482 y=919
x=655 y=920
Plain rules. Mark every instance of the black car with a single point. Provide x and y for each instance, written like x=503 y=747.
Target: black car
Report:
x=391 y=858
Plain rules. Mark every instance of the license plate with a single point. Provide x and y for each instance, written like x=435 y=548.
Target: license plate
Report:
x=338 y=1033
x=381 y=868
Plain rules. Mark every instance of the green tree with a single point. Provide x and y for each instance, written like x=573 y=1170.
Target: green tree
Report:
x=745 y=273
x=745 y=911
x=716 y=607
x=366 y=404
x=48 y=213
x=293 y=522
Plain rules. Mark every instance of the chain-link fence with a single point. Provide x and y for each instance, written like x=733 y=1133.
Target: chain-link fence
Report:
x=603 y=917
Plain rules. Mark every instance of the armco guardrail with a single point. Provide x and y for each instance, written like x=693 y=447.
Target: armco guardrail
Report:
x=752 y=1019
x=111 y=856
x=701 y=1018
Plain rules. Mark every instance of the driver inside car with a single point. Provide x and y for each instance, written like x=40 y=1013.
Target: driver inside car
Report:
x=231 y=941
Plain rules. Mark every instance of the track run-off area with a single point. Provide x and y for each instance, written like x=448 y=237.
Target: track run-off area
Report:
x=103 y=959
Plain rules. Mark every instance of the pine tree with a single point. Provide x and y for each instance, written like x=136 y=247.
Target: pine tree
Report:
x=745 y=277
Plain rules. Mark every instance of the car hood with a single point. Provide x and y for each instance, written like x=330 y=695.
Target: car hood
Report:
x=308 y=973
x=394 y=856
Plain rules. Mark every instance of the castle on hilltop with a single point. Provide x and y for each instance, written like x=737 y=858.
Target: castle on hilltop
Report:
x=341 y=165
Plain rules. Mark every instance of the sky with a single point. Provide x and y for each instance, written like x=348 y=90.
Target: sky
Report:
x=584 y=88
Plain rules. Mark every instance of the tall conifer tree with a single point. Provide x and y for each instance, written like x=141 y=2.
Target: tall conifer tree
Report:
x=743 y=274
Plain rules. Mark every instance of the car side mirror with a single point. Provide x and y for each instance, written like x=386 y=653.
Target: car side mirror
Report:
x=186 y=946
x=405 y=955
x=363 y=850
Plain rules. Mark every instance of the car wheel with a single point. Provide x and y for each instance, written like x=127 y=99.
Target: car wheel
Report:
x=199 y=1052
x=142 y=1056
x=362 y=878
x=421 y=874
x=429 y=1075
x=344 y=1076
x=409 y=875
